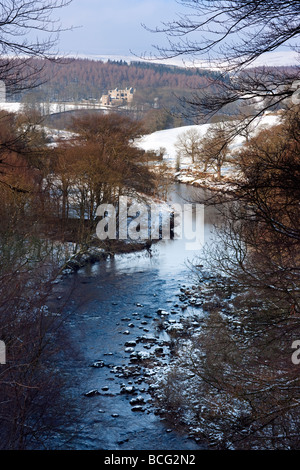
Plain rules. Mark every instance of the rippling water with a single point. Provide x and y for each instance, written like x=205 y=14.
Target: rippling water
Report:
x=105 y=298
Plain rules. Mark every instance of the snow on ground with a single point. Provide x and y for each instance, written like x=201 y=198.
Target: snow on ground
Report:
x=160 y=139
x=167 y=138
x=50 y=108
x=188 y=172
x=156 y=141
x=10 y=107
x=57 y=135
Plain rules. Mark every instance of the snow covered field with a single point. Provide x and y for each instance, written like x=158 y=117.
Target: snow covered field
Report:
x=189 y=173
x=167 y=138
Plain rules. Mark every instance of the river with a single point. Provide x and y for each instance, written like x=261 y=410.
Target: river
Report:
x=112 y=303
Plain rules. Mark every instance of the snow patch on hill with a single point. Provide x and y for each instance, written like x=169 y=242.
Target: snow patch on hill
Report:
x=167 y=138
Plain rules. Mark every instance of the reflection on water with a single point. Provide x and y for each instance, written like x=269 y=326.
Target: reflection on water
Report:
x=167 y=256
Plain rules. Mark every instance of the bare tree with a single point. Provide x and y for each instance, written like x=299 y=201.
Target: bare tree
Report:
x=28 y=265
x=234 y=380
x=29 y=33
x=214 y=147
x=28 y=29
x=231 y=35
x=246 y=386
x=187 y=144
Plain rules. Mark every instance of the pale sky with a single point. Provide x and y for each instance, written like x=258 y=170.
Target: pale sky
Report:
x=113 y=27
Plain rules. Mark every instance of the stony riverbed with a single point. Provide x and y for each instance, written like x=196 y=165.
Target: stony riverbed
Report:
x=121 y=319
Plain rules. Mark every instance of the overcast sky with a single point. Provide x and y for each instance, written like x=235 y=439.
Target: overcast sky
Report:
x=113 y=28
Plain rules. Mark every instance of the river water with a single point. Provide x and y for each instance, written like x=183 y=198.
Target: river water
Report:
x=111 y=303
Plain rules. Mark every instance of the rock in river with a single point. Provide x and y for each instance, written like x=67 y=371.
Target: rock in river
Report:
x=137 y=408
x=92 y=393
x=130 y=389
x=98 y=364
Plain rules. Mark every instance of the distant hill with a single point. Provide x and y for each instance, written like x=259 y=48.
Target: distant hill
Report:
x=77 y=79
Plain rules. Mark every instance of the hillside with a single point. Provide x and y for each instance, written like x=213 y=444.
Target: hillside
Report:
x=189 y=172
x=167 y=138
x=76 y=79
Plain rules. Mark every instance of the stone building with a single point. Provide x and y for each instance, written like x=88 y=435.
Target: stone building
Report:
x=105 y=100
x=117 y=96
